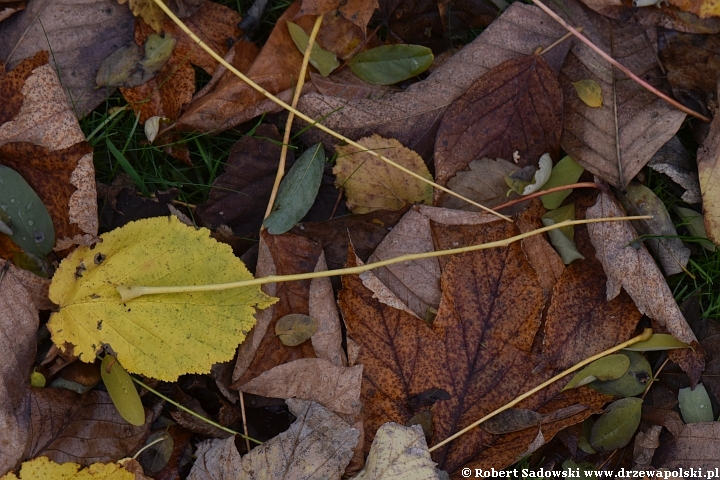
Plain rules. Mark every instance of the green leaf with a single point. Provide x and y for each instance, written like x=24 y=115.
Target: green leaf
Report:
x=606 y=368
x=565 y=247
x=616 y=427
x=566 y=172
x=566 y=212
x=584 y=438
x=132 y=173
x=321 y=59
x=589 y=92
x=122 y=391
x=391 y=63
x=632 y=383
x=27 y=218
x=696 y=226
x=695 y=404
x=295 y=328
x=658 y=341
x=297 y=191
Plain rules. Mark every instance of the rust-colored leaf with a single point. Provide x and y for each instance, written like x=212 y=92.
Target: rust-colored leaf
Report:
x=707 y=158
x=357 y=11
x=11 y=83
x=515 y=107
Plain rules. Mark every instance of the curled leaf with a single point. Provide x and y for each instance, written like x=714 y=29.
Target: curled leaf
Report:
x=320 y=58
x=606 y=368
x=538 y=179
x=391 y=63
x=295 y=328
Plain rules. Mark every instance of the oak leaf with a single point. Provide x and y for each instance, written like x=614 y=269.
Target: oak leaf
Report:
x=161 y=336
x=371 y=184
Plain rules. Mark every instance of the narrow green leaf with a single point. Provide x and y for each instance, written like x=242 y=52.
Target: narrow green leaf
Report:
x=391 y=64
x=632 y=383
x=566 y=172
x=616 y=427
x=297 y=191
x=24 y=214
x=295 y=328
x=610 y=367
x=695 y=404
x=132 y=173
x=324 y=61
x=122 y=391
x=696 y=225
x=658 y=341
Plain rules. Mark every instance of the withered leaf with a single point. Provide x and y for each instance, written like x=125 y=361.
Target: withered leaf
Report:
x=515 y=107
x=643 y=122
x=675 y=161
x=707 y=158
x=327 y=341
x=357 y=11
x=483 y=183
x=697 y=444
x=80 y=36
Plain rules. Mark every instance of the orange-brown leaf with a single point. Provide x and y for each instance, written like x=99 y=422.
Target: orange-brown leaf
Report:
x=357 y=11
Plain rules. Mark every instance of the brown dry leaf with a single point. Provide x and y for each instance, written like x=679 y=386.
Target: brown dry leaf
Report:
x=21 y=294
x=67 y=427
x=483 y=183
x=317 y=445
x=348 y=86
x=327 y=339
x=335 y=388
x=412 y=116
x=698 y=445
x=634 y=270
x=59 y=165
x=371 y=184
x=675 y=161
x=239 y=196
x=709 y=174
x=275 y=69
x=542 y=256
x=644 y=121
x=79 y=33
x=645 y=445
x=515 y=107
x=279 y=255
x=8 y=7
x=356 y=11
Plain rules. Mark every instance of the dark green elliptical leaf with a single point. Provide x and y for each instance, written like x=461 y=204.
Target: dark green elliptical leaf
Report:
x=616 y=427
x=27 y=218
x=391 y=63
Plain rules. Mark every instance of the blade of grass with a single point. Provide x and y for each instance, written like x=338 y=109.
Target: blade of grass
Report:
x=132 y=173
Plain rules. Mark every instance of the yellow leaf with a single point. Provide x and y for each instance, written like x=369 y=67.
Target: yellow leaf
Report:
x=589 y=92
x=371 y=184
x=148 y=11
x=42 y=468
x=161 y=336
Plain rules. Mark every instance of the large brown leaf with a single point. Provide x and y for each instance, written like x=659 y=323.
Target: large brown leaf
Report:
x=515 y=107
x=413 y=115
x=79 y=34
x=643 y=122
x=356 y=11
x=708 y=156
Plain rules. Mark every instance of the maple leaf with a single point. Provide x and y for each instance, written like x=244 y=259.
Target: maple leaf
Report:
x=160 y=336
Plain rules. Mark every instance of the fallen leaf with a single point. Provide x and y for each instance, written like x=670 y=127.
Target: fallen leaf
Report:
x=156 y=251
x=615 y=428
x=317 y=445
x=80 y=36
x=669 y=250
x=667 y=418
x=483 y=182
x=43 y=142
x=413 y=115
x=239 y=196
x=707 y=159
x=42 y=467
x=297 y=191
x=607 y=368
x=643 y=123
x=320 y=58
x=635 y=271
x=358 y=12
x=698 y=445
x=9 y=7
x=390 y=64
x=695 y=405
x=658 y=341
x=371 y=184
x=327 y=340
x=645 y=445
x=346 y=85
x=335 y=388
x=631 y=383
x=515 y=107
x=565 y=172
x=128 y=67
x=122 y=391
x=695 y=224
x=295 y=328
x=589 y=92
x=148 y=11
x=674 y=160
x=400 y=452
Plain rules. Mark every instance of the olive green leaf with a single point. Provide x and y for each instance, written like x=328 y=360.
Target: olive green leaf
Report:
x=324 y=61
x=566 y=172
x=391 y=64
x=122 y=391
x=658 y=341
x=295 y=328
x=695 y=224
x=695 y=404
x=616 y=427
x=610 y=367
x=632 y=383
x=589 y=92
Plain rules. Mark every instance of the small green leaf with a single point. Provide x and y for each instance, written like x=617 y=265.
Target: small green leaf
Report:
x=27 y=218
x=696 y=226
x=606 y=368
x=122 y=391
x=37 y=379
x=659 y=341
x=616 y=427
x=391 y=63
x=695 y=404
x=566 y=172
x=584 y=439
x=566 y=212
x=295 y=328
x=324 y=61
x=565 y=247
x=632 y=383
x=297 y=191
x=589 y=92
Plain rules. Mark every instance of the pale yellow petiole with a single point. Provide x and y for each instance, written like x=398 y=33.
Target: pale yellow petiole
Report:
x=128 y=292
x=309 y=120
